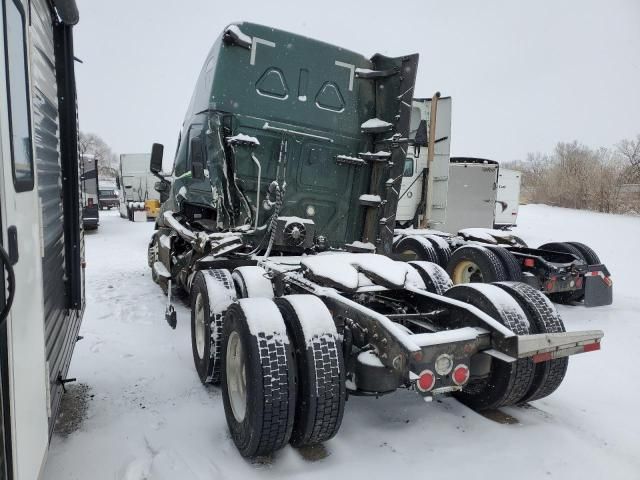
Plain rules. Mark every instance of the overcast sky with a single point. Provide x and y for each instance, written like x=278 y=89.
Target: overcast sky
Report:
x=523 y=74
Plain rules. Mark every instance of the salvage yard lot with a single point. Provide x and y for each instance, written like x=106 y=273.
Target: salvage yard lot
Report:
x=148 y=416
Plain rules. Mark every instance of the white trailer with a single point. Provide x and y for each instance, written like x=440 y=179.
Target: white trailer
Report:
x=41 y=240
x=508 y=198
x=135 y=181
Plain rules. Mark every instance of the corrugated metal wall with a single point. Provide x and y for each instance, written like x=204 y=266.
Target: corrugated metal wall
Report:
x=61 y=323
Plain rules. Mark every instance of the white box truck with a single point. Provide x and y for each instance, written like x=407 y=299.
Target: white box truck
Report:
x=463 y=188
x=136 y=186
x=89 y=189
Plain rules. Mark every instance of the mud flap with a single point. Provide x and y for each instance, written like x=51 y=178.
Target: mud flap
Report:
x=598 y=290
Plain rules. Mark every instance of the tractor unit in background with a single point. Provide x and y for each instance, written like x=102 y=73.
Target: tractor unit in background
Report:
x=453 y=225
x=278 y=222
x=89 y=191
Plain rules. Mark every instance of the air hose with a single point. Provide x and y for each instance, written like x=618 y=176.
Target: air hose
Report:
x=274 y=190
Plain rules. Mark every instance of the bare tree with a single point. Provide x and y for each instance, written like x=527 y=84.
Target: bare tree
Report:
x=630 y=151
x=577 y=176
x=90 y=143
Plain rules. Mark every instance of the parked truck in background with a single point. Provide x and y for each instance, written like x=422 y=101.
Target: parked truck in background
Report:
x=415 y=172
x=41 y=236
x=452 y=226
x=108 y=194
x=292 y=146
x=464 y=189
x=137 y=193
x=89 y=189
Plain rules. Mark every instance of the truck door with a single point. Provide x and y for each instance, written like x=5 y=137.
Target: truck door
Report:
x=471 y=196
x=411 y=188
x=25 y=377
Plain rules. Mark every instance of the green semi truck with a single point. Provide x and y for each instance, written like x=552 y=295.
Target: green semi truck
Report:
x=278 y=221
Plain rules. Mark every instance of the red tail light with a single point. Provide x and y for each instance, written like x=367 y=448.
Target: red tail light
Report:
x=542 y=357
x=460 y=374
x=590 y=347
x=426 y=381
x=529 y=262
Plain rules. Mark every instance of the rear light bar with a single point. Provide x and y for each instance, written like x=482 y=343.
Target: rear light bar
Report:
x=546 y=356
x=606 y=279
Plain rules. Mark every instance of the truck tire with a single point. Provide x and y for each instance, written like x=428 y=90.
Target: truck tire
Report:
x=417 y=248
x=317 y=351
x=212 y=291
x=543 y=318
x=258 y=378
x=475 y=263
x=507 y=383
x=565 y=298
x=511 y=265
x=435 y=278
x=588 y=254
x=442 y=249
x=152 y=250
x=252 y=282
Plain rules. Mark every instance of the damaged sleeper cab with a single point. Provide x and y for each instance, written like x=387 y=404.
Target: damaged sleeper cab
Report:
x=280 y=205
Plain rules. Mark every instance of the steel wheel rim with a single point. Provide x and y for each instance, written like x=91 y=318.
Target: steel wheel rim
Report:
x=236 y=377
x=199 y=325
x=467 y=272
x=409 y=255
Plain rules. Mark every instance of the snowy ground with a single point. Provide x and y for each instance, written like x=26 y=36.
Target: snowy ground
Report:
x=150 y=418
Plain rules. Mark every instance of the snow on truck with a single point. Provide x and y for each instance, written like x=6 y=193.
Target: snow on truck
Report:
x=41 y=236
x=285 y=183
x=452 y=225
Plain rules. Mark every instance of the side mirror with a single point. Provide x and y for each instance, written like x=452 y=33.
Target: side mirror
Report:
x=157 y=151
x=162 y=186
x=197 y=159
x=422 y=135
